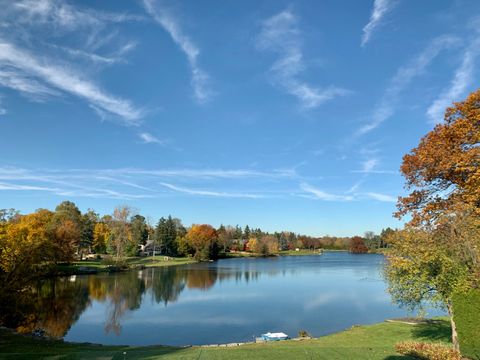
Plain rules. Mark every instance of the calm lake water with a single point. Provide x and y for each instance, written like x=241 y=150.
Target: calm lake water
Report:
x=229 y=300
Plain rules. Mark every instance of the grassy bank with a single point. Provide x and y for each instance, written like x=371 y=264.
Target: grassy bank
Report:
x=372 y=342
x=300 y=252
x=95 y=266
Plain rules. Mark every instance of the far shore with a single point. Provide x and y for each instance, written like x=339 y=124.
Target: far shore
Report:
x=94 y=266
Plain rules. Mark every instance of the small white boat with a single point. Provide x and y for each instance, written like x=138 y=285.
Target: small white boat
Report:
x=274 y=336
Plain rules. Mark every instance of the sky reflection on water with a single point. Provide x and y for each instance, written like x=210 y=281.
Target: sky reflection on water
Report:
x=234 y=300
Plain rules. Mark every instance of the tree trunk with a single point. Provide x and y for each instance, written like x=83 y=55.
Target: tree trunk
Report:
x=455 y=343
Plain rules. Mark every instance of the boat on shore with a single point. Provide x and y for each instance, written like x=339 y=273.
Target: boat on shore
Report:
x=274 y=336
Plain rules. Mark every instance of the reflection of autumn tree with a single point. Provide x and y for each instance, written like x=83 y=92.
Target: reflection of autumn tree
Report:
x=167 y=283
x=201 y=278
x=97 y=288
x=125 y=294
x=60 y=305
x=53 y=305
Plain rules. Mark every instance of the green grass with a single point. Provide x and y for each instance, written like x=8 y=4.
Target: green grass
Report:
x=86 y=266
x=372 y=342
x=298 y=253
x=151 y=261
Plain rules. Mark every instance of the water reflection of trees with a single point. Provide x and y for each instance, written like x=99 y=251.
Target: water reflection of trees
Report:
x=54 y=305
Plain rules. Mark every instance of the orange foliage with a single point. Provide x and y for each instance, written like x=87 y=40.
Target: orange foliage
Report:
x=203 y=239
x=357 y=245
x=444 y=169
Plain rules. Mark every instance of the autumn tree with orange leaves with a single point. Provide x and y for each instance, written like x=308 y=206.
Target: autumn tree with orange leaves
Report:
x=437 y=256
x=203 y=239
x=357 y=246
x=444 y=169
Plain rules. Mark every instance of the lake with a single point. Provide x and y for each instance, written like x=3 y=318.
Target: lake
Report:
x=230 y=300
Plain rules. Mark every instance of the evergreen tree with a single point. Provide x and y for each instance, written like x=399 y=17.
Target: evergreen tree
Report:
x=170 y=245
x=165 y=235
x=159 y=235
x=246 y=233
x=238 y=232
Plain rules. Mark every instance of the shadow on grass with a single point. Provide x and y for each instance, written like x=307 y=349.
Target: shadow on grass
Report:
x=399 y=357
x=434 y=330
x=14 y=346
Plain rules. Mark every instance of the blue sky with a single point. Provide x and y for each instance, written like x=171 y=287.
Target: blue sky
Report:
x=284 y=115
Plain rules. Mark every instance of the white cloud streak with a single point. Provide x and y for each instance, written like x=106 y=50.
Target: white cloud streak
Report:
x=350 y=195
x=369 y=165
x=148 y=138
x=3 y=111
x=380 y=9
x=280 y=34
x=132 y=183
x=403 y=77
x=381 y=197
x=170 y=24
x=22 y=71
x=60 y=14
x=322 y=195
x=190 y=191
x=462 y=80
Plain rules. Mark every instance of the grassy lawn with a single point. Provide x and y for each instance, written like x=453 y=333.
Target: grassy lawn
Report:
x=370 y=342
x=85 y=266
x=298 y=253
x=150 y=261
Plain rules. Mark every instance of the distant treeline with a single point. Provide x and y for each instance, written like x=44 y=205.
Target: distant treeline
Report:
x=67 y=234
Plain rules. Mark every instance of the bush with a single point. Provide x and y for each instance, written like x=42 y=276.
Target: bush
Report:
x=466 y=314
x=427 y=351
x=303 y=334
x=114 y=265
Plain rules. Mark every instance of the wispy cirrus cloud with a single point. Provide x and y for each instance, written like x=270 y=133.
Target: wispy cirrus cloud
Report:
x=148 y=138
x=61 y=14
x=47 y=67
x=2 y=110
x=380 y=9
x=381 y=197
x=191 y=191
x=22 y=71
x=370 y=166
x=171 y=25
x=351 y=194
x=280 y=34
x=114 y=57
x=322 y=195
x=463 y=79
x=136 y=183
x=402 y=79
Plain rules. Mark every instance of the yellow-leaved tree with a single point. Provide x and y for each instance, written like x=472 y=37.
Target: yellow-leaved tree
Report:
x=437 y=254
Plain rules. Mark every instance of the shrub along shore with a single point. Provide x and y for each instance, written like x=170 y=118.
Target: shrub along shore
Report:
x=369 y=342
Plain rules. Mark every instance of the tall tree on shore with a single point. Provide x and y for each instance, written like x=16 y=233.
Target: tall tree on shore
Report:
x=139 y=229
x=120 y=229
x=204 y=241
x=444 y=169
x=101 y=235
x=246 y=232
x=437 y=254
x=89 y=220
x=67 y=222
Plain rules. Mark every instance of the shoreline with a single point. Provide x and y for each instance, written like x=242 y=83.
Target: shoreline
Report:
x=372 y=342
x=96 y=266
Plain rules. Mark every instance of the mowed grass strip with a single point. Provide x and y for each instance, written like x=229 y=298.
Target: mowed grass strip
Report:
x=368 y=342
